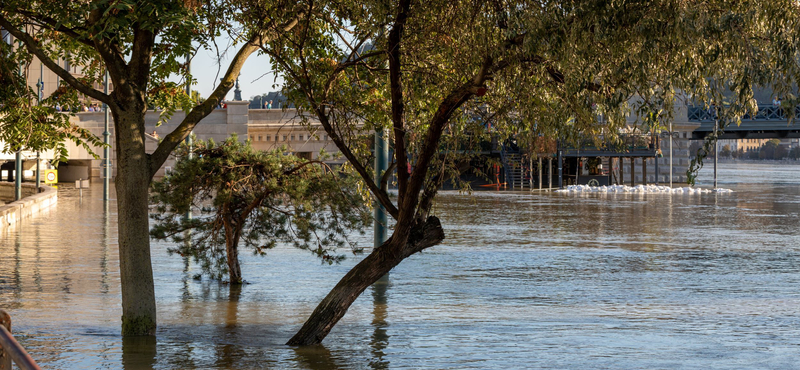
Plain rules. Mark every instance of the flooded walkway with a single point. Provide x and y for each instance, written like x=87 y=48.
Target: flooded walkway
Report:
x=523 y=280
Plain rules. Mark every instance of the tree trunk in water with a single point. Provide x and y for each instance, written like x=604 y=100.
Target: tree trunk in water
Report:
x=365 y=273
x=132 y=182
x=232 y=251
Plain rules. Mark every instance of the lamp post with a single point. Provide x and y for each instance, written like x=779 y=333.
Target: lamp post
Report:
x=18 y=161
x=18 y=175
x=670 y=153
x=40 y=86
x=189 y=141
x=106 y=140
x=716 y=141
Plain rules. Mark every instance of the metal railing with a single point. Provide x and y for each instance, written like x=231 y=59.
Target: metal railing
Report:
x=627 y=143
x=10 y=349
x=765 y=112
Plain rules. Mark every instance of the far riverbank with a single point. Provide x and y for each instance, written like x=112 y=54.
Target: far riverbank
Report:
x=771 y=162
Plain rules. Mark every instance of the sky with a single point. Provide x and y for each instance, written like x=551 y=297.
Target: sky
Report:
x=256 y=77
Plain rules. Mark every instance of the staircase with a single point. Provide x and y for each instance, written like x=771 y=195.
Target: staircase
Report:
x=514 y=168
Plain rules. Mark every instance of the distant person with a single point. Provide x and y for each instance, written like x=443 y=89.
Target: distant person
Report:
x=154 y=134
x=265 y=105
x=269 y=105
x=775 y=102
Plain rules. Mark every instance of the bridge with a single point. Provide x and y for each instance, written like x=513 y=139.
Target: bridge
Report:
x=770 y=122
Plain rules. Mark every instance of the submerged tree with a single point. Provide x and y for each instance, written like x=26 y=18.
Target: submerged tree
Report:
x=260 y=198
x=422 y=72
x=141 y=45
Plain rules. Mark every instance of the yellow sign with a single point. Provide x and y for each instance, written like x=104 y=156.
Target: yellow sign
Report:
x=50 y=176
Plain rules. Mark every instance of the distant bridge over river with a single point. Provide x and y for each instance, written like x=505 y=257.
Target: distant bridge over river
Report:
x=771 y=122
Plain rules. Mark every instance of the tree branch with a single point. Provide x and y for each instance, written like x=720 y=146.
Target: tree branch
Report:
x=36 y=50
x=379 y=194
x=202 y=110
x=449 y=105
x=141 y=56
x=52 y=24
x=396 y=89
x=386 y=174
x=110 y=52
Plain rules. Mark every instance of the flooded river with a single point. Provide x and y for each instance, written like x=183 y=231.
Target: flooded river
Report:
x=541 y=280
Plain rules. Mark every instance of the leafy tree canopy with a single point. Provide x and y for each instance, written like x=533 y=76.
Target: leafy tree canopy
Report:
x=140 y=44
x=27 y=124
x=433 y=73
x=259 y=197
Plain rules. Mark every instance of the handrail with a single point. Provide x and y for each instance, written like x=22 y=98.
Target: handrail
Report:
x=10 y=349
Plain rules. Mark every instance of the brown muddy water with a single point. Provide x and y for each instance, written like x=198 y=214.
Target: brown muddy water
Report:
x=542 y=280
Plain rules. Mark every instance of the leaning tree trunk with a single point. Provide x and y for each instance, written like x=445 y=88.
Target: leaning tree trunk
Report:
x=365 y=273
x=131 y=182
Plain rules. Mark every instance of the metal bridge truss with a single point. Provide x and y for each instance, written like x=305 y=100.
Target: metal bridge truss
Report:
x=768 y=123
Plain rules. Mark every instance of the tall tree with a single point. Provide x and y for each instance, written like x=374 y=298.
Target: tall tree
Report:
x=140 y=44
x=425 y=72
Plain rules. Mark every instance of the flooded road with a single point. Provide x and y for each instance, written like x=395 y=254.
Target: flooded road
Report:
x=543 y=280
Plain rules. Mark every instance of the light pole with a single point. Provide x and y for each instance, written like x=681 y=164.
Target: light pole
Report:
x=18 y=175
x=18 y=159
x=40 y=95
x=106 y=150
x=189 y=141
x=716 y=141
x=670 y=153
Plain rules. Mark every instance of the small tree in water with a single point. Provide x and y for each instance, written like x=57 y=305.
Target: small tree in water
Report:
x=258 y=197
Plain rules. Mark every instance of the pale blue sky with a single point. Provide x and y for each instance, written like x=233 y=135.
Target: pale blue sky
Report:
x=255 y=78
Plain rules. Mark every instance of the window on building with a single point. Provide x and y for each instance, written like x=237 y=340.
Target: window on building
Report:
x=304 y=155
x=300 y=138
x=284 y=137
x=269 y=138
x=292 y=137
x=259 y=137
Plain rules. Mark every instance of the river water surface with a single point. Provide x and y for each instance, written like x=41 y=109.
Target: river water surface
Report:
x=542 y=280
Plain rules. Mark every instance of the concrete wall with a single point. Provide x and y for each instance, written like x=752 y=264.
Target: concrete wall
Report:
x=7 y=191
x=256 y=124
x=30 y=205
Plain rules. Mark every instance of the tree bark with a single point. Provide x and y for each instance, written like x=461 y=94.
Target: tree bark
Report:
x=132 y=183
x=232 y=251
x=423 y=234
